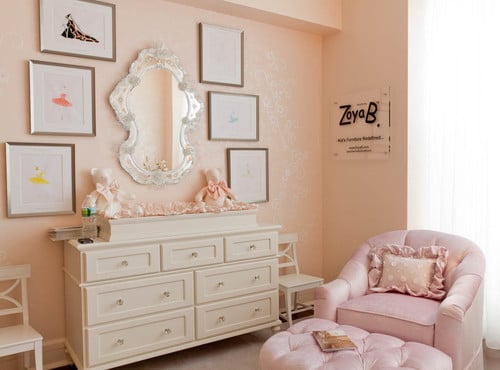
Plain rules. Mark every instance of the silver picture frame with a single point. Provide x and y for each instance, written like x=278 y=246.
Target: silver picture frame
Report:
x=40 y=179
x=248 y=174
x=62 y=99
x=221 y=55
x=82 y=28
x=233 y=116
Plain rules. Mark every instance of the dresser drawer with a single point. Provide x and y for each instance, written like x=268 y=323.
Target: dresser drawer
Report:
x=248 y=246
x=116 y=301
x=223 y=317
x=123 y=262
x=192 y=253
x=236 y=280
x=137 y=336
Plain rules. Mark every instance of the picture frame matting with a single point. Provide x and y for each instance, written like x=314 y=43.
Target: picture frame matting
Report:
x=83 y=28
x=62 y=99
x=40 y=179
x=248 y=174
x=221 y=55
x=233 y=116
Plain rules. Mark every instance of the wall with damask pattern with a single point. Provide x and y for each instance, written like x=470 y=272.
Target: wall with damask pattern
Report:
x=333 y=205
x=282 y=66
x=365 y=197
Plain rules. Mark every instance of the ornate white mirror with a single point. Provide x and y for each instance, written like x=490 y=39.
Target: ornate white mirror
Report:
x=157 y=106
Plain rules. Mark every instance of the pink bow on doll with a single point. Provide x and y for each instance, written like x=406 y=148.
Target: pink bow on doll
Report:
x=217 y=190
x=108 y=191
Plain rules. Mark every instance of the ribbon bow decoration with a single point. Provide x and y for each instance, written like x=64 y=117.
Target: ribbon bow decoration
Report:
x=217 y=190
x=108 y=191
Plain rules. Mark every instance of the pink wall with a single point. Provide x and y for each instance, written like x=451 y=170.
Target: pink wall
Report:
x=365 y=197
x=282 y=66
x=334 y=205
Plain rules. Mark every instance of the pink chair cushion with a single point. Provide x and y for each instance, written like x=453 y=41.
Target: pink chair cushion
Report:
x=410 y=318
x=296 y=349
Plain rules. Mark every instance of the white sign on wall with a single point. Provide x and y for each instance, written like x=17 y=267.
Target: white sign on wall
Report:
x=360 y=125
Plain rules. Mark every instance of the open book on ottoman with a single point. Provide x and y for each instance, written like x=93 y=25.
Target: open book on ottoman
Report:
x=333 y=340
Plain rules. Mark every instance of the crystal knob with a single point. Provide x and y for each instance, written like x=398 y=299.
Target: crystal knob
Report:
x=120 y=302
x=124 y=263
x=120 y=341
x=194 y=254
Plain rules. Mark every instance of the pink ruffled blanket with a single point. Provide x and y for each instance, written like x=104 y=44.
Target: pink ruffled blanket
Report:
x=145 y=209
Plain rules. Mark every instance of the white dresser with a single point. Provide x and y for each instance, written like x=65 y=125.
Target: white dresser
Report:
x=156 y=285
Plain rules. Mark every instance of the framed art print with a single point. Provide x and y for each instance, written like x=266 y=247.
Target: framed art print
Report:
x=233 y=116
x=221 y=55
x=40 y=179
x=248 y=174
x=62 y=99
x=84 y=28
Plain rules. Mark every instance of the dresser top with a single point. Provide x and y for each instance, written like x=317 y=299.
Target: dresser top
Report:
x=164 y=228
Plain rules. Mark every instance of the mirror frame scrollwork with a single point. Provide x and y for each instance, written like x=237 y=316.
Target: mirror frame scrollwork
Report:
x=158 y=57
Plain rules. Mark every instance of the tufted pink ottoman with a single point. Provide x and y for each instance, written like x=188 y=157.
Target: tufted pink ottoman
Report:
x=296 y=349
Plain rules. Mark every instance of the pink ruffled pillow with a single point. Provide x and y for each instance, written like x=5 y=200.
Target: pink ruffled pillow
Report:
x=418 y=272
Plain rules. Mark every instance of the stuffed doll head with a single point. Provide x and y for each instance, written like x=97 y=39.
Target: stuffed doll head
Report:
x=213 y=175
x=102 y=176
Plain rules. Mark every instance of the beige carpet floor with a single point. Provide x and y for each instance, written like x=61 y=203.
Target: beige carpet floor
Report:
x=238 y=353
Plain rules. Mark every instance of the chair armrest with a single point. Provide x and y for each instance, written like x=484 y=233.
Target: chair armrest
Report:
x=328 y=296
x=352 y=282
x=355 y=272
x=458 y=330
x=460 y=297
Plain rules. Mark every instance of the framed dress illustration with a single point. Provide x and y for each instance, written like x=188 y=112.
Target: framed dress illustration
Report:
x=83 y=28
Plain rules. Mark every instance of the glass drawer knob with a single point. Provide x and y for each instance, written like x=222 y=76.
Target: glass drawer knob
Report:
x=166 y=294
x=119 y=302
x=194 y=254
x=222 y=319
x=167 y=331
x=220 y=284
x=124 y=263
x=253 y=247
x=120 y=341
x=256 y=277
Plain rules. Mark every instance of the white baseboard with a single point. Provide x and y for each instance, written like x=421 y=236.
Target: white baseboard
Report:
x=55 y=354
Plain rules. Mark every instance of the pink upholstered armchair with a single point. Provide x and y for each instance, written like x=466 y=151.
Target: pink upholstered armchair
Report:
x=452 y=325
